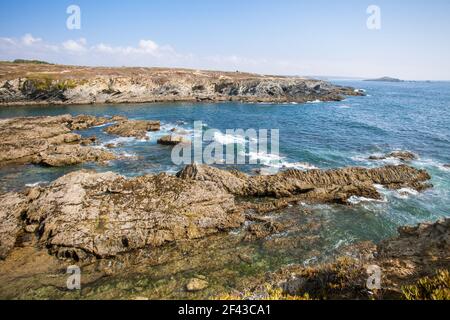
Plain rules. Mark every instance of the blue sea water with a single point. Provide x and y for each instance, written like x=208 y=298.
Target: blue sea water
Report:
x=412 y=116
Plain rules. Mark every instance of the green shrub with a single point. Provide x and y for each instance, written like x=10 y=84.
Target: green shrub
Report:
x=435 y=288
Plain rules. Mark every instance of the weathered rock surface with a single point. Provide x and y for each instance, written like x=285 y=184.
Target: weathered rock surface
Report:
x=58 y=84
x=172 y=140
x=82 y=122
x=417 y=252
x=87 y=214
x=400 y=155
x=104 y=214
x=336 y=186
x=68 y=155
x=10 y=225
x=48 y=140
x=133 y=128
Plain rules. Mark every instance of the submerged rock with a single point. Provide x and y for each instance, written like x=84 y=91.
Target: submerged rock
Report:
x=133 y=128
x=400 y=155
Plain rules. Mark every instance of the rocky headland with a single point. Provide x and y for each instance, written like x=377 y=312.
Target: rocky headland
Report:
x=28 y=84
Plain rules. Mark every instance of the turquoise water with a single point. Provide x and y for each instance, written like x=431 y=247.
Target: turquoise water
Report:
x=406 y=116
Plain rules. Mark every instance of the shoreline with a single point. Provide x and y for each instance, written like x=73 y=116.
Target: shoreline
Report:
x=25 y=84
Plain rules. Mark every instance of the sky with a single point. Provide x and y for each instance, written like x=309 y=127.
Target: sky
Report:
x=285 y=37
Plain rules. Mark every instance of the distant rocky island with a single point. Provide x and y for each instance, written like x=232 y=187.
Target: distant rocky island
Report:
x=36 y=82
x=386 y=79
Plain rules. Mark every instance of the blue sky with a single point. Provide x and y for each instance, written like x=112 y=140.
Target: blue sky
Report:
x=315 y=37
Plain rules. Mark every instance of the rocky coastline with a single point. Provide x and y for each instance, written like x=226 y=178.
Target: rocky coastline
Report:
x=107 y=224
x=111 y=225
x=35 y=84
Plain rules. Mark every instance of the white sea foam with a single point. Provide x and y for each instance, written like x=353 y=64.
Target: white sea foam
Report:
x=104 y=125
x=432 y=163
x=298 y=166
x=315 y=101
x=36 y=184
x=265 y=158
x=405 y=193
x=226 y=139
x=357 y=200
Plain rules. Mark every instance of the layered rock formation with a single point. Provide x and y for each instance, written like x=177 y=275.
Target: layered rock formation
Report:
x=56 y=84
x=133 y=128
x=336 y=186
x=49 y=140
x=86 y=214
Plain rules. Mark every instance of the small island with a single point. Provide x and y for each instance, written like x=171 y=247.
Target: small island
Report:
x=385 y=79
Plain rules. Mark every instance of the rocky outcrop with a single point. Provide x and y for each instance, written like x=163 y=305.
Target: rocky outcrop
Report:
x=133 y=128
x=336 y=186
x=172 y=140
x=400 y=155
x=57 y=84
x=86 y=214
x=69 y=154
x=417 y=252
x=103 y=214
x=49 y=140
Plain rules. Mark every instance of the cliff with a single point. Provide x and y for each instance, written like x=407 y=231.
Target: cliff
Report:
x=24 y=83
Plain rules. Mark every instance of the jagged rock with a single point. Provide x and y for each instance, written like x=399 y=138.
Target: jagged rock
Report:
x=133 y=128
x=172 y=140
x=196 y=284
x=417 y=252
x=67 y=155
x=447 y=165
x=13 y=205
x=104 y=214
x=48 y=140
x=88 y=141
x=87 y=214
x=82 y=122
x=336 y=186
x=401 y=155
